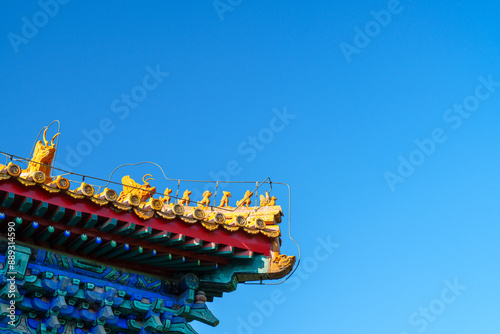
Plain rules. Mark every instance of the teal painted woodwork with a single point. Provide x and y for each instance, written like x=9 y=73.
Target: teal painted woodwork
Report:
x=41 y=209
x=26 y=204
x=90 y=222
x=108 y=225
x=9 y=199
x=56 y=293
x=75 y=218
x=58 y=214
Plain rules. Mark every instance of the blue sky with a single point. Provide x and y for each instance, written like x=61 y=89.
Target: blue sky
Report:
x=381 y=115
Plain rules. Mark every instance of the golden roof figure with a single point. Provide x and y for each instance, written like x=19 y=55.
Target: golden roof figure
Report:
x=225 y=199
x=144 y=192
x=185 y=200
x=267 y=200
x=43 y=156
x=246 y=200
x=166 y=199
x=205 y=202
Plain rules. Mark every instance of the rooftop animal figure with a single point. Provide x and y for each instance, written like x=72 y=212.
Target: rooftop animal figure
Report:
x=246 y=200
x=185 y=200
x=206 y=199
x=166 y=199
x=144 y=191
x=267 y=201
x=225 y=199
x=43 y=156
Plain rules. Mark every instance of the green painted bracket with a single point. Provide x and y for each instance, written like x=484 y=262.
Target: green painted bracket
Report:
x=163 y=236
x=7 y=202
x=90 y=222
x=41 y=209
x=75 y=218
x=209 y=247
x=108 y=225
x=176 y=239
x=192 y=244
x=58 y=214
x=26 y=204
x=142 y=232
x=125 y=229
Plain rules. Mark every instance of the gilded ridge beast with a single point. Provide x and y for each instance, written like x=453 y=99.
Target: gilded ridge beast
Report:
x=43 y=156
x=144 y=192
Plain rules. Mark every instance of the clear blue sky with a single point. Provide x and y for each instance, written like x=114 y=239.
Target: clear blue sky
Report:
x=387 y=132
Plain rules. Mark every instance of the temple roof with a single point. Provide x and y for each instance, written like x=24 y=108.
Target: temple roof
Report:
x=139 y=232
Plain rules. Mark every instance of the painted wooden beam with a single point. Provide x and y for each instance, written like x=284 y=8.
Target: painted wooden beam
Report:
x=74 y=219
x=159 y=237
x=78 y=242
x=124 y=229
x=244 y=254
x=162 y=259
x=145 y=256
x=192 y=244
x=41 y=209
x=58 y=214
x=91 y=245
x=62 y=238
x=90 y=222
x=18 y=221
x=9 y=199
x=175 y=239
x=133 y=252
x=29 y=230
x=107 y=247
x=142 y=232
x=108 y=225
x=46 y=233
x=209 y=247
x=117 y=251
x=26 y=204
x=225 y=251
